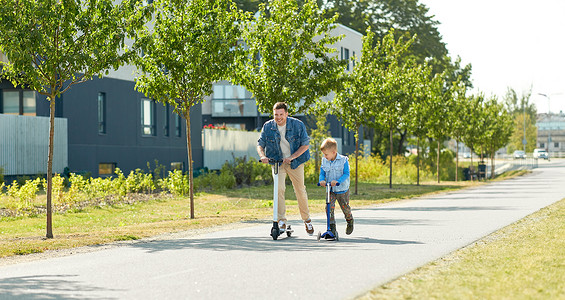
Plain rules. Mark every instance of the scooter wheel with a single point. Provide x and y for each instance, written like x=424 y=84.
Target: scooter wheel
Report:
x=274 y=233
x=319 y=236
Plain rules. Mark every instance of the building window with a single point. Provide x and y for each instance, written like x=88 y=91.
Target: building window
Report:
x=345 y=56
x=19 y=103
x=147 y=117
x=178 y=125
x=101 y=112
x=166 y=121
x=176 y=166
x=542 y=145
x=556 y=145
x=106 y=168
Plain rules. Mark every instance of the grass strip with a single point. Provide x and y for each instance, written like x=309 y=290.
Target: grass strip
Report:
x=525 y=260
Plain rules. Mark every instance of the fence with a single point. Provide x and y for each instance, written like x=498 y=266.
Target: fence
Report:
x=24 y=142
x=220 y=146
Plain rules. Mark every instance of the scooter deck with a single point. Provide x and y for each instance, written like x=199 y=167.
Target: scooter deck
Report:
x=276 y=233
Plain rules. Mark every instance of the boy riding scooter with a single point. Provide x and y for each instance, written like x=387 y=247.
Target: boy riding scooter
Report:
x=335 y=170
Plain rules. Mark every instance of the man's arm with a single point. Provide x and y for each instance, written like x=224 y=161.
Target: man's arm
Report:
x=262 y=156
x=296 y=154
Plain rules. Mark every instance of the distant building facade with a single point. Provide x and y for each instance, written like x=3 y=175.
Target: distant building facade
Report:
x=551 y=132
x=111 y=125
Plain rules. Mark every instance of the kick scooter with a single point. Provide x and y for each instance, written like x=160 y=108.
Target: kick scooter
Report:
x=276 y=231
x=328 y=235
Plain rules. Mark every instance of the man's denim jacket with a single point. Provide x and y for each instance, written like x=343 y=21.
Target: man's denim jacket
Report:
x=296 y=136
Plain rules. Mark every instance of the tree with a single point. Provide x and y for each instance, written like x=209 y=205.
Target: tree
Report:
x=392 y=86
x=406 y=17
x=473 y=131
x=419 y=111
x=288 y=56
x=439 y=124
x=53 y=45
x=524 y=113
x=499 y=128
x=353 y=104
x=190 y=46
x=459 y=119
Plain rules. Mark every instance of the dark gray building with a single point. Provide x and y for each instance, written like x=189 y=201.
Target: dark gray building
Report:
x=112 y=125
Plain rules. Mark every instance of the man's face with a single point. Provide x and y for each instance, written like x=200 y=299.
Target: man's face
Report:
x=280 y=116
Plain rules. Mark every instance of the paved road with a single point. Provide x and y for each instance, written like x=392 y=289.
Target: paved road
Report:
x=245 y=263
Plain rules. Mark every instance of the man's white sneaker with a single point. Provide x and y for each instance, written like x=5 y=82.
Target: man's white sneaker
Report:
x=309 y=227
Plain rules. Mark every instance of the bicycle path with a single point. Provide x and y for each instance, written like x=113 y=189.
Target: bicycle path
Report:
x=245 y=263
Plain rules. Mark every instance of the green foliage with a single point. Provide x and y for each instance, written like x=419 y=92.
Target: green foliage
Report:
x=215 y=181
x=176 y=183
x=57 y=188
x=1 y=176
x=374 y=169
x=25 y=193
x=287 y=57
x=247 y=172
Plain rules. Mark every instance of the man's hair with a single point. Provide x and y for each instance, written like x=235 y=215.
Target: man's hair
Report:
x=280 y=105
x=328 y=144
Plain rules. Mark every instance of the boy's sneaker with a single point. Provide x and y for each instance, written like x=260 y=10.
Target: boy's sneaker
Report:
x=333 y=229
x=349 y=228
x=309 y=227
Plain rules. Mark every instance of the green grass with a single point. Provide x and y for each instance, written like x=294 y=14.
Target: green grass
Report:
x=163 y=214
x=525 y=260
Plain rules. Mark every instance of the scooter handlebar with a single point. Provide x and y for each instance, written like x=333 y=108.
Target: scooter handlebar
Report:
x=328 y=184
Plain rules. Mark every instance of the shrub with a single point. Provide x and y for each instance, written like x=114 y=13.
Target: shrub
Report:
x=176 y=183
x=247 y=172
x=25 y=193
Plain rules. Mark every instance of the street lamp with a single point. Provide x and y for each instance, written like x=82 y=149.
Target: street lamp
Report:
x=549 y=124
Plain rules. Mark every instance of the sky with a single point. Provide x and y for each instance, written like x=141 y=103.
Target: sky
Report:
x=518 y=44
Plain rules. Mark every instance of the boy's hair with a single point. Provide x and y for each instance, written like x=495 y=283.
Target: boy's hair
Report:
x=280 y=105
x=328 y=144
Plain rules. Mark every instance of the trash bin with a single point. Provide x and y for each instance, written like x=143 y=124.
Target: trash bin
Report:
x=466 y=174
x=482 y=171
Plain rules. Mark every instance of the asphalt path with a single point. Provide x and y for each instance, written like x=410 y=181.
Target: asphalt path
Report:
x=245 y=263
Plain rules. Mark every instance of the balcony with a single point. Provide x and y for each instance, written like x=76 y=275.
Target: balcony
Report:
x=234 y=108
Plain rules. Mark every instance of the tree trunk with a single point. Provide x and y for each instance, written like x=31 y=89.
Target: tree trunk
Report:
x=190 y=172
x=492 y=165
x=438 y=161
x=418 y=162
x=49 y=174
x=356 y=158
x=390 y=172
x=456 y=160
x=402 y=139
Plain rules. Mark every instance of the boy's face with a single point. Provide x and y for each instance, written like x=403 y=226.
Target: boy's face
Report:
x=330 y=154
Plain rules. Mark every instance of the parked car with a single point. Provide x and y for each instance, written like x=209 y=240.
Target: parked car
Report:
x=519 y=154
x=541 y=153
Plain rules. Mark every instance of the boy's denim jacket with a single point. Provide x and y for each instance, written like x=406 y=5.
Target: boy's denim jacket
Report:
x=338 y=170
x=296 y=136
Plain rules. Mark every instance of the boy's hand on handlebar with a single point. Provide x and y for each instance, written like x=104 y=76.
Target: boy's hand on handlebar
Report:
x=334 y=182
x=322 y=183
x=264 y=160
